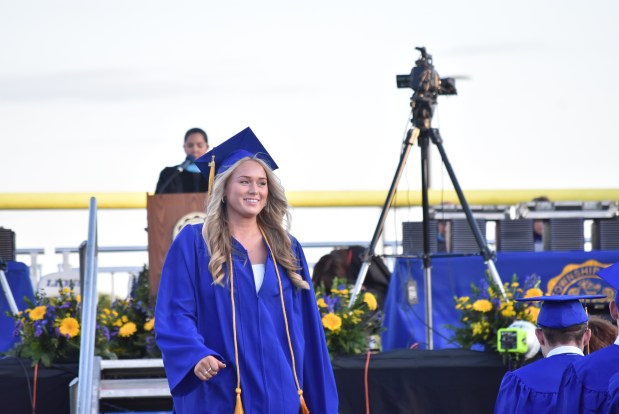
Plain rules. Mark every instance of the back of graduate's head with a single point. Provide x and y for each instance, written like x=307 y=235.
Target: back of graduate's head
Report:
x=603 y=333
x=571 y=335
x=562 y=320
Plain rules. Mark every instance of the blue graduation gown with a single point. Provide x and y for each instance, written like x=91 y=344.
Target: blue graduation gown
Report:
x=613 y=394
x=534 y=387
x=193 y=319
x=584 y=386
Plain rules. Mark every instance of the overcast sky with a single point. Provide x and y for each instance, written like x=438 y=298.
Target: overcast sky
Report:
x=97 y=96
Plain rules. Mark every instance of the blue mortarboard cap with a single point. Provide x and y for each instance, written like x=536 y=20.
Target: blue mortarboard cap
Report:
x=561 y=311
x=244 y=144
x=610 y=275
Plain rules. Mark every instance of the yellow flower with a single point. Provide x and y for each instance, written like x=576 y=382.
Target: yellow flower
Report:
x=321 y=303
x=124 y=319
x=127 y=329
x=507 y=310
x=332 y=322
x=38 y=313
x=370 y=300
x=476 y=328
x=344 y=291
x=148 y=326
x=482 y=305
x=118 y=323
x=106 y=310
x=515 y=284
x=78 y=298
x=66 y=290
x=69 y=327
x=532 y=312
x=533 y=292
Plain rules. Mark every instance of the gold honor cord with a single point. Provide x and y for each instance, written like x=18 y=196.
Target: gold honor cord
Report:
x=211 y=177
x=238 y=409
x=239 y=405
x=304 y=409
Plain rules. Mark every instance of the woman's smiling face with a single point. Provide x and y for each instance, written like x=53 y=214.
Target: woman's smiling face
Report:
x=247 y=190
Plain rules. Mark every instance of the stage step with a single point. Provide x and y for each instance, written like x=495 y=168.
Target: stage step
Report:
x=134 y=381
x=133 y=378
x=134 y=388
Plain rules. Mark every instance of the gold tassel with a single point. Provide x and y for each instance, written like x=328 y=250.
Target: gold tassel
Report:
x=238 y=409
x=304 y=409
x=211 y=175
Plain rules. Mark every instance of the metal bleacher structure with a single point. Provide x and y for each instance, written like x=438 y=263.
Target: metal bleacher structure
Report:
x=567 y=225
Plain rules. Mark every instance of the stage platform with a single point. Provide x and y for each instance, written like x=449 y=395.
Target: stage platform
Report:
x=401 y=381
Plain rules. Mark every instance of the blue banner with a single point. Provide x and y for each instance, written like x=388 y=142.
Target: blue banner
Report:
x=405 y=317
x=18 y=277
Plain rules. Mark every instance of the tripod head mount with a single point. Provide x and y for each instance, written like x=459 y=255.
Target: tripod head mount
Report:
x=426 y=84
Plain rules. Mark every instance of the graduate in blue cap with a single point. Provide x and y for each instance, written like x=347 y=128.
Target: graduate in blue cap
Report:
x=584 y=386
x=562 y=333
x=613 y=394
x=236 y=316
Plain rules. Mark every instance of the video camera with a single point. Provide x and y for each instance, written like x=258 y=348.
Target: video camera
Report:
x=427 y=85
x=513 y=340
x=424 y=79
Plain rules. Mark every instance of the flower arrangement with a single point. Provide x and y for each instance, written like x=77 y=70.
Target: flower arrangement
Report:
x=128 y=327
x=486 y=311
x=348 y=330
x=49 y=328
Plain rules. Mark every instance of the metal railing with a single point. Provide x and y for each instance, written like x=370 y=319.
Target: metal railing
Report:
x=403 y=198
x=85 y=398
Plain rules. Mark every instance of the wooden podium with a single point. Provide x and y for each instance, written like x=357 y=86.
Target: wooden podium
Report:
x=166 y=215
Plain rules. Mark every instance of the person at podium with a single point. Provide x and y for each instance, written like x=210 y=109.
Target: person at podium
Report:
x=563 y=334
x=236 y=316
x=186 y=177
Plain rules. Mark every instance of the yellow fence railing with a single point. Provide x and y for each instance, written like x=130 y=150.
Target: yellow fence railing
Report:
x=137 y=200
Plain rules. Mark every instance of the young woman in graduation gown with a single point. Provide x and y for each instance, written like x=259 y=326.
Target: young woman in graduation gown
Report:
x=236 y=317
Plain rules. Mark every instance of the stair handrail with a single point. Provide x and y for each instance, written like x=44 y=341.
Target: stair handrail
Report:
x=86 y=401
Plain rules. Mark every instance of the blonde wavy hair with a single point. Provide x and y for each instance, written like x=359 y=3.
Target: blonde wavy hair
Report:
x=274 y=219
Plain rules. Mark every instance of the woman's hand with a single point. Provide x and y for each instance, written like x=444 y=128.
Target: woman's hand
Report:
x=208 y=367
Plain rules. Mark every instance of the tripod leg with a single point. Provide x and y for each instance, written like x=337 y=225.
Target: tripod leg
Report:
x=488 y=255
x=424 y=143
x=411 y=136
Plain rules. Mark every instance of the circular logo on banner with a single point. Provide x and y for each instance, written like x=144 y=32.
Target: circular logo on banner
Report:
x=197 y=217
x=581 y=279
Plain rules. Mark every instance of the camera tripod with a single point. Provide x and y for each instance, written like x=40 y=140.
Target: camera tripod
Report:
x=426 y=84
